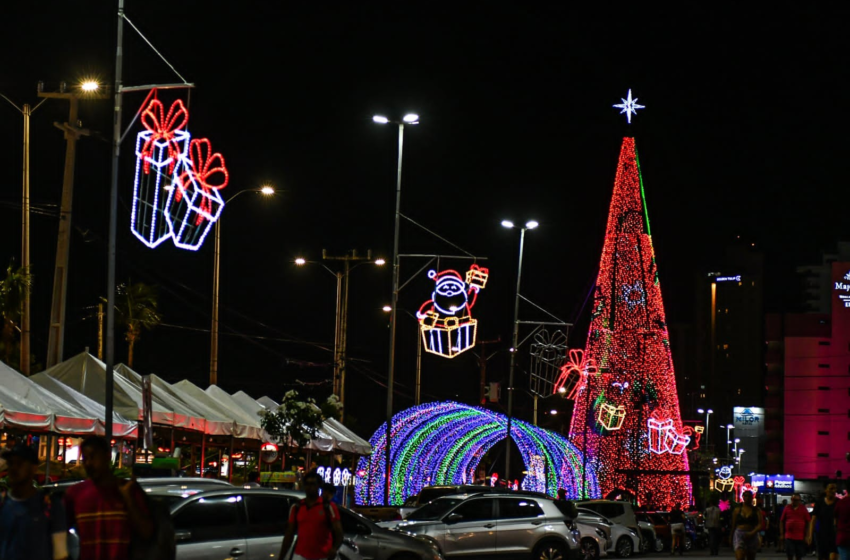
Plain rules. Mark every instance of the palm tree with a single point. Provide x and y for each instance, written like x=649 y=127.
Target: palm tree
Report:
x=13 y=287
x=136 y=309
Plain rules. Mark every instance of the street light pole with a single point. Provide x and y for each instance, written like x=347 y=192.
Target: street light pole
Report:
x=729 y=428
x=514 y=344
x=409 y=119
x=113 y=230
x=708 y=414
x=25 y=245
x=266 y=191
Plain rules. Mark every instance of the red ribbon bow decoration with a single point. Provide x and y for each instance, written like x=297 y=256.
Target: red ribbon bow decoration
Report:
x=206 y=165
x=163 y=127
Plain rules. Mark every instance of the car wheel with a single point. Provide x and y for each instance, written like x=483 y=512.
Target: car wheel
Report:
x=550 y=551
x=625 y=548
x=659 y=545
x=589 y=549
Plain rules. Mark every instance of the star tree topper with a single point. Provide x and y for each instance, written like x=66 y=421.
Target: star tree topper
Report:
x=629 y=106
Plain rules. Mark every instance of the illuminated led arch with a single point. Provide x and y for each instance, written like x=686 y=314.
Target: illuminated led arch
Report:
x=443 y=443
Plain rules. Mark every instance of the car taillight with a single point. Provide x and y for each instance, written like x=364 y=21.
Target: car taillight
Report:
x=398 y=517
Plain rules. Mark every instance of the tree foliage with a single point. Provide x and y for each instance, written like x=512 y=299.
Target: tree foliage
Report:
x=136 y=308
x=13 y=287
x=296 y=421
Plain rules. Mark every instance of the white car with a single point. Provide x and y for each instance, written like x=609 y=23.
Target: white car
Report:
x=622 y=541
x=593 y=543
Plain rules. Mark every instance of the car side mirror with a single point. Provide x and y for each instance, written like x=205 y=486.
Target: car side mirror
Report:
x=361 y=529
x=181 y=535
x=454 y=518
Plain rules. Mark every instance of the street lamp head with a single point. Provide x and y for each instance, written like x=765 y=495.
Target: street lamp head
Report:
x=380 y=262
x=267 y=190
x=411 y=118
x=386 y=308
x=380 y=120
x=531 y=224
x=700 y=411
x=710 y=411
x=300 y=261
x=562 y=390
x=553 y=412
x=89 y=86
x=737 y=440
x=507 y=223
x=730 y=426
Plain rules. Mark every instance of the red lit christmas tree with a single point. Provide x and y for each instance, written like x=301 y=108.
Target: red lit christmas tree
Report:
x=626 y=415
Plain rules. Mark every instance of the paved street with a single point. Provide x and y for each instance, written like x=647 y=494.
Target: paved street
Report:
x=703 y=554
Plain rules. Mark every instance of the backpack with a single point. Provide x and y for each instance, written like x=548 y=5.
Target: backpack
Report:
x=162 y=545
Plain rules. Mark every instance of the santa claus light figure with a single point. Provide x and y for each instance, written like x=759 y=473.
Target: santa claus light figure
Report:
x=446 y=322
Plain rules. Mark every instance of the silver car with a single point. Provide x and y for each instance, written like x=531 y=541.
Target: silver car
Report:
x=623 y=541
x=495 y=525
x=250 y=523
x=593 y=541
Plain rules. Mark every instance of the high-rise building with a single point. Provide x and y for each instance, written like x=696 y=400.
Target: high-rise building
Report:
x=817 y=279
x=728 y=366
x=816 y=392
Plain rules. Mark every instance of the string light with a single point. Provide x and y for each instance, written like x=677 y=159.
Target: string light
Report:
x=629 y=343
x=444 y=442
x=445 y=320
x=175 y=190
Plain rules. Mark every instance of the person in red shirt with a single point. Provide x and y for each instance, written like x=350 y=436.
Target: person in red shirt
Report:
x=106 y=512
x=793 y=527
x=316 y=522
x=842 y=527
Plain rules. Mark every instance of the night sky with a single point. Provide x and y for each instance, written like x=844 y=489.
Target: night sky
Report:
x=742 y=134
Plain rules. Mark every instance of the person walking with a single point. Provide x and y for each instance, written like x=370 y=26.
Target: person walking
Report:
x=317 y=524
x=747 y=521
x=822 y=527
x=842 y=527
x=32 y=525
x=106 y=511
x=677 y=530
x=793 y=528
x=711 y=517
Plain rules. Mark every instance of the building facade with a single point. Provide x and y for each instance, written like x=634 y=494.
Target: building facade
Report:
x=816 y=388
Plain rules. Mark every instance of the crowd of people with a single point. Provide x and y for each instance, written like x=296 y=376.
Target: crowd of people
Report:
x=114 y=520
x=790 y=527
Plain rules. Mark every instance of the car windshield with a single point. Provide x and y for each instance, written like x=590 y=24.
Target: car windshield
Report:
x=167 y=500
x=434 y=510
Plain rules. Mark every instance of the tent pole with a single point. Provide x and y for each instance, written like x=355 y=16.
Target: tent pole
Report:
x=230 y=463
x=203 y=453
x=48 y=445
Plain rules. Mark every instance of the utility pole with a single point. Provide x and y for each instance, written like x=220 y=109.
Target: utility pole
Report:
x=25 y=245
x=56 y=339
x=341 y=346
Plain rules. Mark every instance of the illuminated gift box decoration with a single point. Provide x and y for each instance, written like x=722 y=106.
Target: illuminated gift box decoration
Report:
x=658 y=433
x=663 y=437
x=158 y=150
x=448 y=336
x=197 y=203
x=574 y=374
x=445 y=320
x=724 y=484
x=611 y=417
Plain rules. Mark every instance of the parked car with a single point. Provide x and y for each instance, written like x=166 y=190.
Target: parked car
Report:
x=649 y=531
x=495 y=525
x=430 y=493
x=617 y=511
x=592 y=540
x=623 y=541
x=226 y=523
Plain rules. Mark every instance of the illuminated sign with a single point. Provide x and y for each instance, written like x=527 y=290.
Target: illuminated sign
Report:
x=844 y=287
x=728 y=278
x=779 y=483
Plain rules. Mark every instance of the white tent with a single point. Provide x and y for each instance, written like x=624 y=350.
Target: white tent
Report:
x=198 y=416
x=121 y=427
x=87 y=374
x=358 y=444
x=243 y=425
x=25 y=405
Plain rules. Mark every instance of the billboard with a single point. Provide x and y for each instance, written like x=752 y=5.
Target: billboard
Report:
x=749 y=428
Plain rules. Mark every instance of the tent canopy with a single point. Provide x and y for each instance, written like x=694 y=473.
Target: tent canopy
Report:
x=243 y=426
